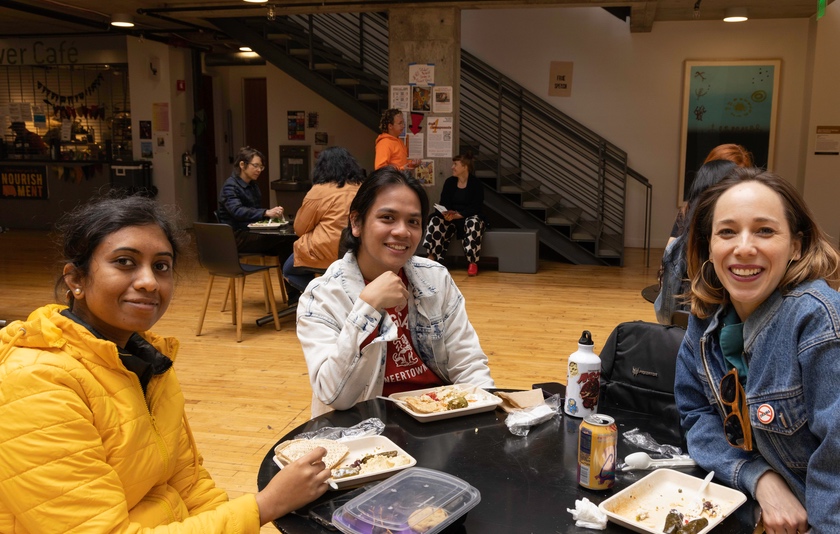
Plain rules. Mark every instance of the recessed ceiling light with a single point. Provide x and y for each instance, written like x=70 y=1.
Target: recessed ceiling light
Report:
x=735 y=14
x=245 y=49
x=122 y=20
x=256 y=1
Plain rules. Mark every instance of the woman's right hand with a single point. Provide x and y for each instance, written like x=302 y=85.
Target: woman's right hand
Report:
x=781 y=511
x=412 y=164
x=299 y=483
x=275 y=212
x=386 y=291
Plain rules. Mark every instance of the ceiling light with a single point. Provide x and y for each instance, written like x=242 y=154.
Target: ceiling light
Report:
x=735 y=14
x=245 y=49
x=256 y=1
x=122 y=20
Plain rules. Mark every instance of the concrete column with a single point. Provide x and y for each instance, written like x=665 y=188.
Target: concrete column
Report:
x=429 y=35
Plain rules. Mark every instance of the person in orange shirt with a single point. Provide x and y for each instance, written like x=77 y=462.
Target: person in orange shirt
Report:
x=390 y=149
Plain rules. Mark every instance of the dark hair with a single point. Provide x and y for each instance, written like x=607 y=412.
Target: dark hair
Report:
x=388 y=117
x=246 y=154
x=380 y=179
x=466 y=160
x=336 y=165
x=737 y=154
x=83 y=229
x=818 y=259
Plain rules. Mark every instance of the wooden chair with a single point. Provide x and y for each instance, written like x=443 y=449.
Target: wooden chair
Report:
x=217 y=253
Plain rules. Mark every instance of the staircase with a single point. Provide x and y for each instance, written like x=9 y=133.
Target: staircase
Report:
x=541 y=169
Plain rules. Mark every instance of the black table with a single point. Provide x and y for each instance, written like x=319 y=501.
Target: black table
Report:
x=526 y=484
x=651 y=292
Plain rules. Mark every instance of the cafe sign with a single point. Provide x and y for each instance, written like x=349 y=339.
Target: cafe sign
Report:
x=24 y=182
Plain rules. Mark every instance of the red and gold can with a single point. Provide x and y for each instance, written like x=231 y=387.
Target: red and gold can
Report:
x=597 y=440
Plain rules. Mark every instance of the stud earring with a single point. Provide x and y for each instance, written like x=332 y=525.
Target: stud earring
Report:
x=77 y=291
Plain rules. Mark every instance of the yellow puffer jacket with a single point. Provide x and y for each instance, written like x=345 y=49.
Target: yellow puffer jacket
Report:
x=81 y=450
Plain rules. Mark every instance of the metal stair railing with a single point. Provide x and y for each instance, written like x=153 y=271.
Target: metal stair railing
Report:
x=565 y=175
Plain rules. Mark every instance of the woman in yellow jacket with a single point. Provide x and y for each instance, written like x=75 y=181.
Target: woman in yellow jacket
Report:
x=390 y=149
x=94 y=437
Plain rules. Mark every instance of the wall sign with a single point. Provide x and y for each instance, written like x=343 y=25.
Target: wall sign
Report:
x=24 y=182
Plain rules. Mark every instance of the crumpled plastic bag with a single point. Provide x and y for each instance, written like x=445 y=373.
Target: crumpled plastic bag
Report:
x=369 y=427
x=587 y=515
x=644 y=441
x=520 y=422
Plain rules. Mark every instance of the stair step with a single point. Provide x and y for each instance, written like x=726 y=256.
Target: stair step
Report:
x=346 y=82
x=485 y=174
x=278 y=37
x=534 y=205
x=299 y=52
x=369 y=97
x=325 y=66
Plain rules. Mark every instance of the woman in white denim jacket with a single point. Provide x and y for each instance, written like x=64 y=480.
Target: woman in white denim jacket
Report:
x=339 y=311
x=757 y=375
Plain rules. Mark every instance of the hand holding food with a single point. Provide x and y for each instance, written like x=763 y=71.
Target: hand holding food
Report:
x=781 y=511
x=275 y=212
x=299 y=483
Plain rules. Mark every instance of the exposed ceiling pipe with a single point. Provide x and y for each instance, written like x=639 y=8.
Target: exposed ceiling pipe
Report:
x=57 y=15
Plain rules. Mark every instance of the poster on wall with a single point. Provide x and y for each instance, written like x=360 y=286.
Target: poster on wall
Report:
x=313 y=119
x=28 y=182
x=442 y=99
x=421 y=99
x=416 y=145
x=425 y=172
x=401 y=97
x=160 y=116
x=439 y=137
x=727 y=102
x=297 y=125
x=560 y=78
x=145 y=129
x=421 y=74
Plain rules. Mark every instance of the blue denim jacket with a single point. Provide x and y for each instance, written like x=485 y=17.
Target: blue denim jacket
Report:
x=792 y=347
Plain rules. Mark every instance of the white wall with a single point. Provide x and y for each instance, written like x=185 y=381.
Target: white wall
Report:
x=628 y=86
x=822 y=188
x=148 y=89
x=284 y=94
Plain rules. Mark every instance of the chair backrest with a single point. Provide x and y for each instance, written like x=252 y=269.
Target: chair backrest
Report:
x=217 y=249
x=638 y=368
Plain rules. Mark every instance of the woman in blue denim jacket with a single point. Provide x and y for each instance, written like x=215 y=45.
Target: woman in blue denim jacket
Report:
x=758 y=374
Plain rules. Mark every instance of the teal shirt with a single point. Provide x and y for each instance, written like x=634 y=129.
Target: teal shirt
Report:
x=732 y=343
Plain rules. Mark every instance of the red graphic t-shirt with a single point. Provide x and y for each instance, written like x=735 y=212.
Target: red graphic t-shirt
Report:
x=404 y=370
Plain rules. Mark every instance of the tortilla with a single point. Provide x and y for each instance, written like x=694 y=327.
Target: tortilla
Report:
x=289 y=451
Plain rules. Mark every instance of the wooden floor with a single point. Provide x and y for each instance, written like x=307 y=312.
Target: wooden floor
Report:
x=243 y=397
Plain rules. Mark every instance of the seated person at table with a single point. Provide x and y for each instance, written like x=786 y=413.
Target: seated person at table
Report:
x=463 y=198
x=672 y=272
x=390 y=149
x=757 y=380
x=94 y=436
x=240 y=204
x=323 y=215
x=381 y=320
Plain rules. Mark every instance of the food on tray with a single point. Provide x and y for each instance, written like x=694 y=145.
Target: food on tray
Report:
x=440 y=400
x=426 y=518
x=289 y=451
x=676 y=523
x=371 y=463
x=269 y=222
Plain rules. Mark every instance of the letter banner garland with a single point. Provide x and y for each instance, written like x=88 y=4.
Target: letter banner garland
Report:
x=62 y=99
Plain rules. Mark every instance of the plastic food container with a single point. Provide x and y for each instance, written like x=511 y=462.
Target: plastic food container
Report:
x=415 y=501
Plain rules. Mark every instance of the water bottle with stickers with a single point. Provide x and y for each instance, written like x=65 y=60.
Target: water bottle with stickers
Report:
x=583 y=379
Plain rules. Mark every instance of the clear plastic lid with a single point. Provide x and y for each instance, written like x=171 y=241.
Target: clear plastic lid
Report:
x=415 y=501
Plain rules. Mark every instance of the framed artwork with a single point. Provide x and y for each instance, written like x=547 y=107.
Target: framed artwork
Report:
x=727 y=102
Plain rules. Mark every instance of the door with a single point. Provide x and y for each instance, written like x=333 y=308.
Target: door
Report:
x=256 y=128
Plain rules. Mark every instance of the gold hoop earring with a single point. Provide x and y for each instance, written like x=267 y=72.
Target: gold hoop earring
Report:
x=703 y=276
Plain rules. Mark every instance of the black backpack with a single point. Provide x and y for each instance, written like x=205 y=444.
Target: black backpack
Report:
x=638 y=368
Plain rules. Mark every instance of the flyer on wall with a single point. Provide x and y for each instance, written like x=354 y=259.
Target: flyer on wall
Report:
x=425 y=172
x=421 y=74
x=442 y=99
x=401 y=97
x=439 y=132
x=416 y=144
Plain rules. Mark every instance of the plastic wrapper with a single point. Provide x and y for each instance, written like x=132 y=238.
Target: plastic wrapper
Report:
x=520 y=422
x=644 y=441
x=368 y=427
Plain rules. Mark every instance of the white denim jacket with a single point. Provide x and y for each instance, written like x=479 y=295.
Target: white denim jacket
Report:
x=332 y=323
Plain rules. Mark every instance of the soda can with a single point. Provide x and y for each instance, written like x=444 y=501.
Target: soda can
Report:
x=597 y=440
